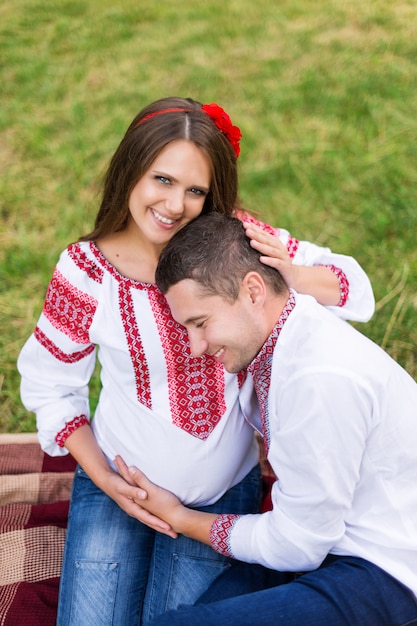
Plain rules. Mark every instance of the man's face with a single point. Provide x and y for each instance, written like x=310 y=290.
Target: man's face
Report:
x=229 y=332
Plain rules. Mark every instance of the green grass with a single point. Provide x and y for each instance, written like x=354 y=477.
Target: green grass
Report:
x=324 y=92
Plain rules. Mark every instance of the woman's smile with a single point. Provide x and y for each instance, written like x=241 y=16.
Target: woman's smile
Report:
x=163 y=219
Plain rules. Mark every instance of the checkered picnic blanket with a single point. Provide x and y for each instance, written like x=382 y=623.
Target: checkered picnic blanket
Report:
x=34 y=501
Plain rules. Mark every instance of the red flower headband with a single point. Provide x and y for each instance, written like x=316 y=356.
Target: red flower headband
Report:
x=224 y=124
x=219 y=117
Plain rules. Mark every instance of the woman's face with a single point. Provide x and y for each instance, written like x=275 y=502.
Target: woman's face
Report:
x=171 y=192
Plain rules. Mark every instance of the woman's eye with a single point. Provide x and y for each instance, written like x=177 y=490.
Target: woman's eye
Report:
x=163 y=179
x=198 y=192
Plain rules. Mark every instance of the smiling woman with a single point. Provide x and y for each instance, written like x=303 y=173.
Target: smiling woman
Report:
x=174 y=415
x=170 y=194
x=159 y=407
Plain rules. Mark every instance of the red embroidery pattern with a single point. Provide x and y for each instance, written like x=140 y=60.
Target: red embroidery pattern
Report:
x=241 y=377
x=70 y=427
x=196 y=386
x=261 y=368
x=57 y=353
x=134 y=342
x=112 y=270
x=246 y=217
x=292 y=243
x=68 y=309
x=220 y=532
x=292 y=246
x=343 y=283
x=84 y=263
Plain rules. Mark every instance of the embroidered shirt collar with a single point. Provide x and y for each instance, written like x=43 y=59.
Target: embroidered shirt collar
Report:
x=265 y=354
x=261 y=368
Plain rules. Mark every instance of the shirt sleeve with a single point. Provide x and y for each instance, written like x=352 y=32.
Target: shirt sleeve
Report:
x=357 y=297
x=316 y=452
x=57 y=361
x=357 y=302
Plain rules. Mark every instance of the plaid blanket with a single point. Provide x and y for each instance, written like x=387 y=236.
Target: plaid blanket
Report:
x=34 y=500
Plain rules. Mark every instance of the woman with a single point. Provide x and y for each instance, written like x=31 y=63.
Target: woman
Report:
x=175 y=416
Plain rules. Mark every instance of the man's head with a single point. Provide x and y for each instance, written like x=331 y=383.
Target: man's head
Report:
x=219 y=290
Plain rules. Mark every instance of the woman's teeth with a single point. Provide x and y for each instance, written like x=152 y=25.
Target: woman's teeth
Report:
x=162 y=219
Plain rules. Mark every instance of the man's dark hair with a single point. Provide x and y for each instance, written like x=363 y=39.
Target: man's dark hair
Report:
x=214 y=251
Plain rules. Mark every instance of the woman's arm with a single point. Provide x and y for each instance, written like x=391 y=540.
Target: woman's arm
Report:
x=318 y=281
x=337 y=281
x=84 y=448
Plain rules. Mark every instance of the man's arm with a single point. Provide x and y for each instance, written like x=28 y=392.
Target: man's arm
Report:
x=165 y=505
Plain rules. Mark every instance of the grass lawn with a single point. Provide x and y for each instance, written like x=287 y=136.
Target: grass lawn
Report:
x=325 y=93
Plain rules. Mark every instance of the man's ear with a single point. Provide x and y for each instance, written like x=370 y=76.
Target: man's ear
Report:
x=254 y=284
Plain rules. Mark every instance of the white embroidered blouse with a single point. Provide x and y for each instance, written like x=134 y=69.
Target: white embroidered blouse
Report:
x=174 y=416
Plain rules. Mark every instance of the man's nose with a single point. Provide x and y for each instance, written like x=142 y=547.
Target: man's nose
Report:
x=198 y=345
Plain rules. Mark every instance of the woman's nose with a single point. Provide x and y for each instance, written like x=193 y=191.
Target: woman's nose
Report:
x=175 y=202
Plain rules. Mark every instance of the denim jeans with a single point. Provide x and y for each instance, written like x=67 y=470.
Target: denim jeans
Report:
x=117 y=572
x=344 y=591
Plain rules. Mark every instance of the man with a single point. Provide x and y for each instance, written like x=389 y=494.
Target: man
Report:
x=339 y=421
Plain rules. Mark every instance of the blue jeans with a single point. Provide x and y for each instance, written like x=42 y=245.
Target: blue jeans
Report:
x=116 y=571
x=344 y=591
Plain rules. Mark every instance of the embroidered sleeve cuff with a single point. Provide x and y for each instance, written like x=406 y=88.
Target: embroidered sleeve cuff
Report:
x=292 y=246
x=343 y=283
x=220 y=533
x=70 y=427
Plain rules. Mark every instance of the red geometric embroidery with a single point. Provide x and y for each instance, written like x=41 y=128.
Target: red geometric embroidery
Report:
x=70 y=427
x=57 y=353
x=196 y=385
x=246 y=217
x=261 y=368
x=134 y=342
x=110 y=268
x=343 y=283
x=292 y=246
x=220 y=533
x=84 y=263
x=68 y=309
x=241 y=377
x=292 y=243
